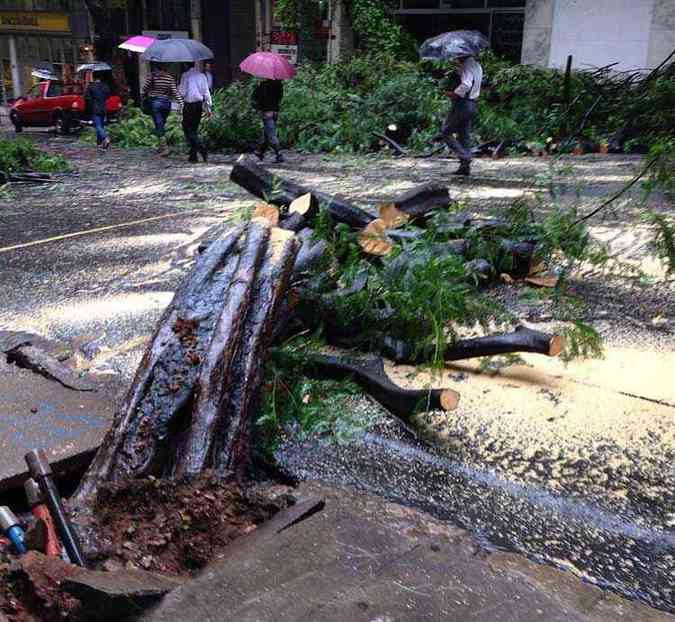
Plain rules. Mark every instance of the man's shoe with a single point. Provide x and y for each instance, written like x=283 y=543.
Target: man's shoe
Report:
x=106 y=143
x=464 y=169
x=260 y=155
x=279 y=159
x=204 y=153
x=193 y=159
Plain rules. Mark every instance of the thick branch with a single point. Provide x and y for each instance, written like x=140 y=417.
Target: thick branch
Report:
x=282 y=192
x=370 y=375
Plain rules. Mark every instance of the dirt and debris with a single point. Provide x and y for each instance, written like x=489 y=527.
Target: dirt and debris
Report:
x=167 y=527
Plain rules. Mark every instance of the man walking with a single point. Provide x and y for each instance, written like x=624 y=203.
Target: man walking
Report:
x=464 y=108
x=96 y=96
x=194 y=88
x=267 y=98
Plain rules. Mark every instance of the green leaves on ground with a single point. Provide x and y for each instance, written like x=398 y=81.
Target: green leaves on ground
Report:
x=21 y=155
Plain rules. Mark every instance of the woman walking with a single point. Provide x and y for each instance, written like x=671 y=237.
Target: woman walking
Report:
x=158 y=91
x=96 y=96
x=267 y=100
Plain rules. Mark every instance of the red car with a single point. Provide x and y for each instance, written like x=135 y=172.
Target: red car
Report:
x=55 y=104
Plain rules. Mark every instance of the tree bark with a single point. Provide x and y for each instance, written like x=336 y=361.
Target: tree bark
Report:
x=370 y=375
x=419 y=201
x=189 y=405
x=522 y=339
x=282 y=192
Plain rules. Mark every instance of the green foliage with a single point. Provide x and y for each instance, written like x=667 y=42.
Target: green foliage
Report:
x=376 y=30
x=664 y=238
x=136 y=129
x=295 y=403
x=336 y=108
x=662 y=175
x=581 y=341
x=21 y=155
x=372 y=23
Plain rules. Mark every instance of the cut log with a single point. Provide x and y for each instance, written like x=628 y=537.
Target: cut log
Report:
x=188 y=406
x=267 y=212
x=370 y=375
x=418 y=202
x=310 y=253
x=306 y=205
x=517 y=258
x=282 y=192
x=293 y=222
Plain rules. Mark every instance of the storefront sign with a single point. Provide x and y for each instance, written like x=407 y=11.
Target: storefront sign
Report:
x=288 y=51
x=283 y=37
x=34 y=21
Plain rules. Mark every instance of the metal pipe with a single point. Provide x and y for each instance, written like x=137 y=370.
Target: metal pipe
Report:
x=39 y=468
x=11 y=528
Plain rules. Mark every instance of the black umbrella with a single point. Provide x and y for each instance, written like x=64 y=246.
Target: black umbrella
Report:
x=95 y=66
x=177 y=51
x=453 y=44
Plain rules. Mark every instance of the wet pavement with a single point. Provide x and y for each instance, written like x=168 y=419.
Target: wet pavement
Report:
x=618 y=552
x=362 y=559
x=96 y=257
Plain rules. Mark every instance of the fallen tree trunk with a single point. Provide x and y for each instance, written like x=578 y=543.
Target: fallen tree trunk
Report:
x=189 y=406
x=282 y=192
x=370 y=375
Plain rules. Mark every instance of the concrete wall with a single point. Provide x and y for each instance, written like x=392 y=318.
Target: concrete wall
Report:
x=634 y=33
x=662 y=32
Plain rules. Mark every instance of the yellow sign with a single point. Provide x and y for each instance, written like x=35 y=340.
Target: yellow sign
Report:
x=34 y=21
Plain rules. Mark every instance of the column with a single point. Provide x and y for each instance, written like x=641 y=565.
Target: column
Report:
x=196 y=19
x=17 y=87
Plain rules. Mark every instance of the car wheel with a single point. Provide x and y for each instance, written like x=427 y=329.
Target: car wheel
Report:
x=62 y=123
x=16 y=121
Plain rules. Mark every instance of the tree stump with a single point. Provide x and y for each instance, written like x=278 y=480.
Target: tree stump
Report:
x=189 y=407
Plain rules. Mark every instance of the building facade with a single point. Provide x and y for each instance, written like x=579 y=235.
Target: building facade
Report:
x=40 y=33
x=635 y=34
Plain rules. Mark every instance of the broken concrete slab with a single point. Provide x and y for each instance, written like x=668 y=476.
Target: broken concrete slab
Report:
x=40 y=362
x=102 y=595
x=39 y=413
x=363 y=559
x=115 y=595
x=11 y=339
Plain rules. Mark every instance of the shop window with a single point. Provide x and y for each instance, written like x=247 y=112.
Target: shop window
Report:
x=507 y=34
x=462 y=4
x=420 y=4
x=506 y=4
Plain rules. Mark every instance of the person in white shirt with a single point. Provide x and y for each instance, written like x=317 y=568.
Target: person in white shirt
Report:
x=464 y=108
x=195 y=91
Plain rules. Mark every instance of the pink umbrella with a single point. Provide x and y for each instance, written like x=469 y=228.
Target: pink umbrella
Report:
x=138 y=43
x=268 y=65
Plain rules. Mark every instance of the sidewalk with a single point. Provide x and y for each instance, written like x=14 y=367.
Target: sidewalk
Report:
x=363 y=559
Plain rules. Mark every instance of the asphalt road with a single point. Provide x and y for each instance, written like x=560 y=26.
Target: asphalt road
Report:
x=96 y=257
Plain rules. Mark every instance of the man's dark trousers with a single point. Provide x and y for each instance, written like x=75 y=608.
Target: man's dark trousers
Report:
x=192 y=116
x=458 y=122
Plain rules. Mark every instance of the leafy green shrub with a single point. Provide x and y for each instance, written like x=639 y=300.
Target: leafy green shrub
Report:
x=136 y=129
x=20 y=155
x=336 y=108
